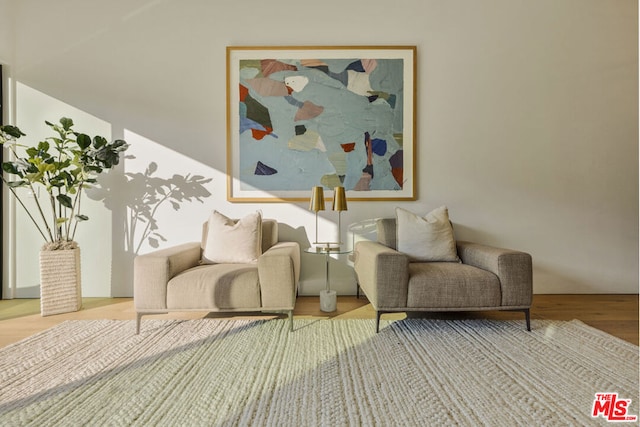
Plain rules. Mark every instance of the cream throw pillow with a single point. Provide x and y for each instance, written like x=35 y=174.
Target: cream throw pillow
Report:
x=233 y=240
x=426 y=239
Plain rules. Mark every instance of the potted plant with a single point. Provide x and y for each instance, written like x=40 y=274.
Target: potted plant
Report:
x=64 y=165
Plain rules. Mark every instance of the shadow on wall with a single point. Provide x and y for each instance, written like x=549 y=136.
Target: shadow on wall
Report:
x=146 y=195
x=286 y=233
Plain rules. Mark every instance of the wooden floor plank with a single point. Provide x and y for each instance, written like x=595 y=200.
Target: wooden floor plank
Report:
x=614 y=314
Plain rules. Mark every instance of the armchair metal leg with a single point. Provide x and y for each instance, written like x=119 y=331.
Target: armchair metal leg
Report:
x=378 y=314
x=138 y=321
x=290 y=320
x=527 y=316
x=139 y=318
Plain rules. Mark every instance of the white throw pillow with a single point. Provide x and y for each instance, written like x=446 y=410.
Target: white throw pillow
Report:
x=233 y=240
x=426 y=239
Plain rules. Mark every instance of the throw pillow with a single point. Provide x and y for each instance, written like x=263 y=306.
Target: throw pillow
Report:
x=428 y=238
x=233 y=240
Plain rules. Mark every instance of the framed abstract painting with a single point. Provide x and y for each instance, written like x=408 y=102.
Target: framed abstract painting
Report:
x=299 y=117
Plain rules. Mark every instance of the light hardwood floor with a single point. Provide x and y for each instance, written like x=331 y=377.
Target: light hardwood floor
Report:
x=614 y=314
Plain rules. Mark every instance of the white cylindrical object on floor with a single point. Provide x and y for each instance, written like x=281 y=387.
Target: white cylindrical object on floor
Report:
x=328 y=300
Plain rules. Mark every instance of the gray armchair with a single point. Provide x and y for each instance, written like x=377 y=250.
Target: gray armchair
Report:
x=174 y=279
x=488 y=278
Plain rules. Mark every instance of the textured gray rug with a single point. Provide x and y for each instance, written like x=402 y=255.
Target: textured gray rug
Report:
x=327 y=372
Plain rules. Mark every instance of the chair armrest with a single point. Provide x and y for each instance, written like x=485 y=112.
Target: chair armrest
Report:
x=383 y=274
x=279 y=273
x=152 y=272
x=513 y=268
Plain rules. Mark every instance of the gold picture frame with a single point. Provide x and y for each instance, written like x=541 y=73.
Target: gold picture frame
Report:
x=301 y=116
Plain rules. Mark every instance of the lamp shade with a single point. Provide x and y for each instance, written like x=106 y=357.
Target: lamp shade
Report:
x=339 y=199
x=317 y=199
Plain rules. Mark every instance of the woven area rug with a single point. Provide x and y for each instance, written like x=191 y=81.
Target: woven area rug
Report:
x=327 y=373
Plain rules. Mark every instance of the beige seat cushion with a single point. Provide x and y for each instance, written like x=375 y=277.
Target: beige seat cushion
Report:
x=449 y=285
x=215 y=287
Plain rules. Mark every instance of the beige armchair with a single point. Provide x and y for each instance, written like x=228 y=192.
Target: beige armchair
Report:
x=488 y=278
x=174 y=279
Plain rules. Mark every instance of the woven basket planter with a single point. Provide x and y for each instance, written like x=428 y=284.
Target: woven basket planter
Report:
x=60 y=287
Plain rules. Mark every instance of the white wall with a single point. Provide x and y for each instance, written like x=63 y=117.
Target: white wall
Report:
x=7 y=42
x=527 y=119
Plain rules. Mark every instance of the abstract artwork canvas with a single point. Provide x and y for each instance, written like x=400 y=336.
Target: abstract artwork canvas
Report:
x=298 y=117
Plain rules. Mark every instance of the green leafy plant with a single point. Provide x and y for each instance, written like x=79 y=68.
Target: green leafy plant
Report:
x=64 y=164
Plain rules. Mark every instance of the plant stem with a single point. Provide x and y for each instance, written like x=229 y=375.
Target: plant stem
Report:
x=42 y=215
x=13 y=191
x=76 y=202
x=46 y=224
x=52 y=200
x=15 y=155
